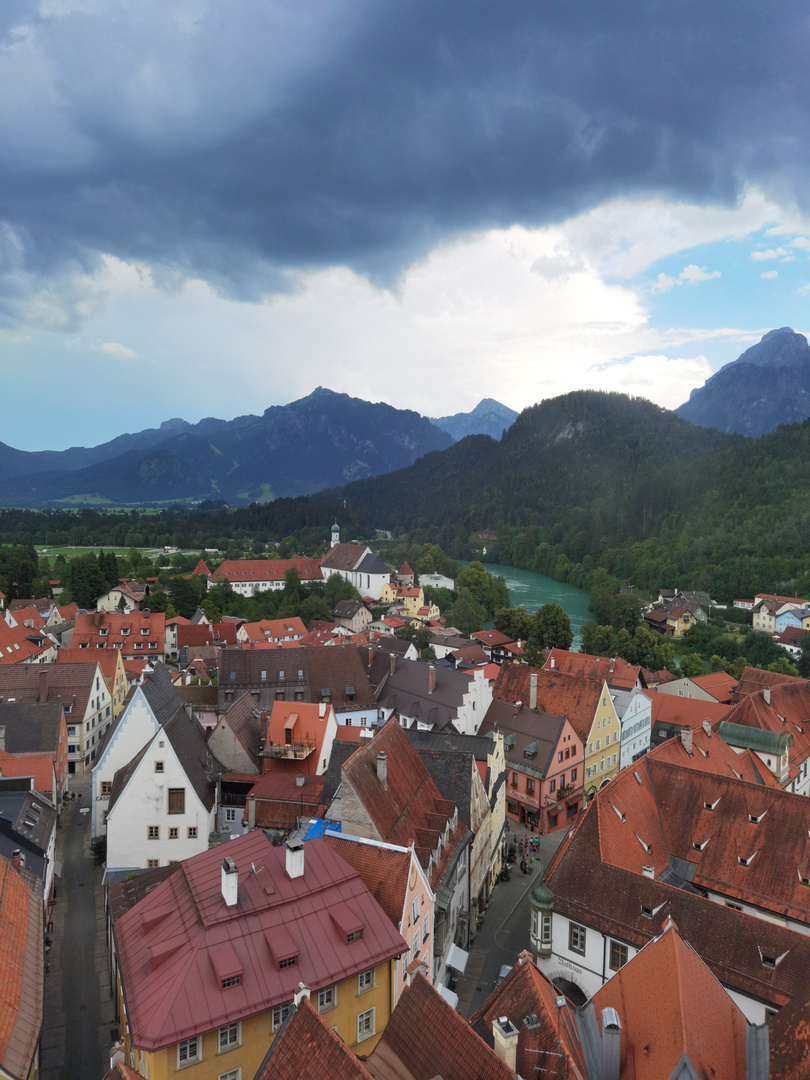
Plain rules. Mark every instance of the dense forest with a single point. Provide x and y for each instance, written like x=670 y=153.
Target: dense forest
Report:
x=585 y=481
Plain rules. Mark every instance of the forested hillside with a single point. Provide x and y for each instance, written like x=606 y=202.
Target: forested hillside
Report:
x=586 y=480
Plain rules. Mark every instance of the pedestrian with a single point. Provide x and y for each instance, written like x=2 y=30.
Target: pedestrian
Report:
x=524 y=869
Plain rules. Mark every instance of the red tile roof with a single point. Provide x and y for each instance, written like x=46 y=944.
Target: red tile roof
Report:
x=789 y=1039
x=409 y=808
x=712 y=755
x=196 y=634
x=383 y=868
x=274 y=630
x=427 y=1038
x=257 y=570
x=109 y=630
x=787 y=713
x=718 y=684
x=168 y=940
x=754 y=679
x=15 y=648
x=21 y=972
x=557 y=694
x=492 y=637
x=200 y=568
x=685 y=712
x=614 y=671
x=308 y=1049
x=671 y=1006
x=527 y=992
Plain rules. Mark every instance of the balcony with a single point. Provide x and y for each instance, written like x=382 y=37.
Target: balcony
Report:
x=564 y=792
x=294 y=751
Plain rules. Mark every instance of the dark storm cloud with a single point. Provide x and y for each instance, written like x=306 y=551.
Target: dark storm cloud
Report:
x=234 y=141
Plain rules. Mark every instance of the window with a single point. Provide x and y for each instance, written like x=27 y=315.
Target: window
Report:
x=567 y=754
x=365 y=981
x=327 y=999
x=552 y=785
x=736 y=907
x=106 y=787
x=530 y=786
x=415 y=946
x=189 y=1051
x=158 y=766
x=230 y=814
x=559 y=756
x=598 y=744
x=576 y=938
x=229 y=1037
x=356 y=935
x=425 y=928
x=365 y=1025
x=618 y=955
x=280 y=1014
x=173 y=834
x=177 y=800
x=192 y=832
x=232 y=980
x=231 y=1074
x=514 y=779
x=415 y=908
x=545 y=929
x=573 y=776
x=590 y=747
x=153 y=832
x=152 y=864
x=290 y=961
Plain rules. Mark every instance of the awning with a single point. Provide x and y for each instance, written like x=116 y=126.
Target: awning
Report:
x=457 y=958
x=448 y=995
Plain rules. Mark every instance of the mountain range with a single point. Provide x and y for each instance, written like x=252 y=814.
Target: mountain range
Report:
x=319 y=441
x=768 y=385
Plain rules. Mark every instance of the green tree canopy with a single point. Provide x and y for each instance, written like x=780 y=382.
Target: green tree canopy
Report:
x=551 y=628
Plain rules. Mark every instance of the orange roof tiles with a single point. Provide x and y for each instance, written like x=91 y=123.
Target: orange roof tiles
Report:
x=383 y=868
x=788 y=711
x=614 y=671
x=308 y=1049
x=246 y=571
x=557 y=694
x=711 y=755
x=427 y=1038
x=671 y=1006
x=21 y=972
x=685 y=712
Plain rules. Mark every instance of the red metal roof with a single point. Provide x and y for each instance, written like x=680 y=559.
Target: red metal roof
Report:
x=167 y=941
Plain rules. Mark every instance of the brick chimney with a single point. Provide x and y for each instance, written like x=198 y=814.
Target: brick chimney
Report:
x=686 y=739
x=17 y=860
x=393 y=664
x=230 y=881
x=431 y=678
x=533 y=689
x=707 y=727
x=43 y=683
x=382 y=768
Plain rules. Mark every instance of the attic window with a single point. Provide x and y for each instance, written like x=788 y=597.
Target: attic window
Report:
x=638 y=778
x=234 y=980
x=619 y=813
x=325 y=695
x=103 y=631
x=281 y=673
x=756 y=818
x=699 y=845
x=647 y=847
x=647 y=912
x=746 y=860
x=710 y=805
x=264 y=674
x=289 y=961
x=349 y=693
x=355 y=935
x=804 y=880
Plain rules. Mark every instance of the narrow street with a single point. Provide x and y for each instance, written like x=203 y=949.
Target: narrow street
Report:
x=78 y=1011
x=506 y=926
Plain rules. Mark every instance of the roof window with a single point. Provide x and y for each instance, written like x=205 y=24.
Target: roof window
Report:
x=755 y=819
x=647 y=847
x=746 y=860
x=710 y=805
x=619 y=813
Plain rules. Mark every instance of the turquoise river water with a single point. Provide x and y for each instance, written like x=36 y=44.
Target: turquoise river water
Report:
x=533 y=590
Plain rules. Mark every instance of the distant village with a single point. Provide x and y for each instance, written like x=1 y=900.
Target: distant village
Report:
x=305 y=830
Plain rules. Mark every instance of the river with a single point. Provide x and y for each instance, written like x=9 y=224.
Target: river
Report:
x=533 y=590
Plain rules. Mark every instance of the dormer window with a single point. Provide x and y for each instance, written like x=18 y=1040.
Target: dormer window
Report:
x=619 y=813
x=710 y=805
x=699 y=845
x=289 y=961
x=647 y=847
x=746 y=860
x=144 y=631
x=103 y=631
x=355 y=935
x=755 y=819
x=234 y=980
x=124 y=631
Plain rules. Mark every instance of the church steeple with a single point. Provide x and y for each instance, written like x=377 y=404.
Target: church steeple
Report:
x=335 y=534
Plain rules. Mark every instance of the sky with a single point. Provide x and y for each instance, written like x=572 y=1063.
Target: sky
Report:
x=209 y=208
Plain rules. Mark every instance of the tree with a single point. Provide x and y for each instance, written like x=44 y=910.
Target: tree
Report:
x=488 y=593
x=515 y=622
x=551 y=628
x=803 y=664
x=186 y=596
x=783 y=666
x=625 y=612
x=596 y=640
x=691 y=665
x=464 y=614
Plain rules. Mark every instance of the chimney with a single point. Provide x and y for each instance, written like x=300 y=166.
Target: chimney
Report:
x=505 y=1040
x=766 y=693
x=551 y=661
x=686 y=739
x=251 y=811
x=533 y=690
x=393 y=665
x=2 y=736
x=301 y=993
x=517 y=707
x=299 y=780
x=431 y=678
x=707 y=727
x=382 y=768
x=230 y=881
x=43 y=683
x=370 y=656
x=295 y=858
x=17 y=859
x=611 y=1043
x=97 y=619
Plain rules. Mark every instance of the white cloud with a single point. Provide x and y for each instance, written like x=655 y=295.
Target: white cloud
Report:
x=770 y=274
x=804 y=290
x=663 y=284
x=800 y=242
x=112 y=348
x=771 y=253
x=693 y=274
x=560 y=265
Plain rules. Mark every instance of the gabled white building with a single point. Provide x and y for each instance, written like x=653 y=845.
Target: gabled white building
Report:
x=152 y=703
x=359 y=565
x=634 y=710
x=163 y=805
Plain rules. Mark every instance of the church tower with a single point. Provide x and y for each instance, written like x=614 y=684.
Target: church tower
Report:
x=335 y=534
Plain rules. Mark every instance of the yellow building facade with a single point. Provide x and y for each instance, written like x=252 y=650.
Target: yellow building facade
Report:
x=358 y=1008
x=603 y=745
